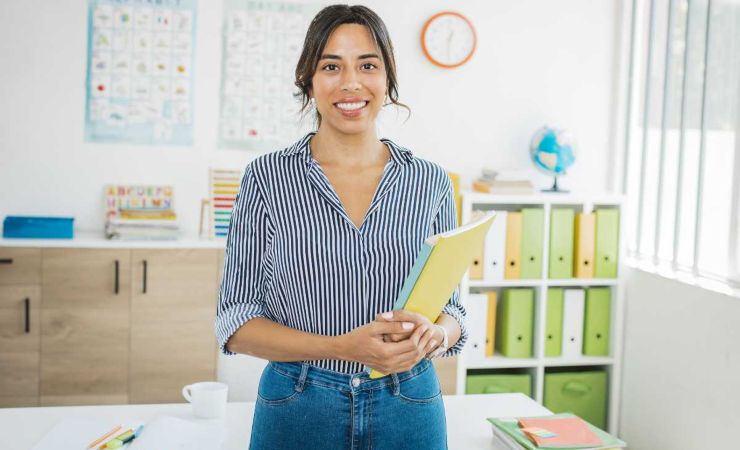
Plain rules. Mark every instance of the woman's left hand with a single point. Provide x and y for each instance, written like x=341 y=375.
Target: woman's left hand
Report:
x=431 y=335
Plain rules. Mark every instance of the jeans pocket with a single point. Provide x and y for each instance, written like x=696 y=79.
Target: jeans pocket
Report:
x=422 y=388
x=276 y=388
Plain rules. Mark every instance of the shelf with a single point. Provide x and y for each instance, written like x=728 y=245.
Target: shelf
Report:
x=540 y=199
x=504 y=283
x=501 y=362
x=541 y=282
x=581 y=361
x=583 y=282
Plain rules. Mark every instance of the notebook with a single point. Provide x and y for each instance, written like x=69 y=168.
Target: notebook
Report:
x=439 y=267
x=569 y=432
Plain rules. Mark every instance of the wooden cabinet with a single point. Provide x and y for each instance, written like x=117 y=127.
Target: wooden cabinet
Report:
x=173 y=305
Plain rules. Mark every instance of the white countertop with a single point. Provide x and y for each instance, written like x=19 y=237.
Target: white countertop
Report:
x=91 y=239
x=467 y=427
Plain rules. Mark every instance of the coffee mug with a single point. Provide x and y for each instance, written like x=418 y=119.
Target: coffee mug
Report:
x=208 y=398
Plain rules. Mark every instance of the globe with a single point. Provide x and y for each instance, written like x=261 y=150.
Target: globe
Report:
x=552 y=151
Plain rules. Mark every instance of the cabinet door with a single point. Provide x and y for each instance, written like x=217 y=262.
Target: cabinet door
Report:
x=20 y=266
x=85 y=326
x=172 y=315
x=19 y=345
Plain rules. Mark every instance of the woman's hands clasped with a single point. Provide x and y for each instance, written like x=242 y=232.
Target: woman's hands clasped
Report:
x=394 y=342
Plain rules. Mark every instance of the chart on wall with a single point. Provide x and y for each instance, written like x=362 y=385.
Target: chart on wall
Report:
x=139 y=71
x=261 y=45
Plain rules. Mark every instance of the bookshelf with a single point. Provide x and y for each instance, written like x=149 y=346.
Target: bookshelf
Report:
x=538 y=365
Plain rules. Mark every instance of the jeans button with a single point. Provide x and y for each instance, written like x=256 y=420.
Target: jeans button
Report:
x=355 y=382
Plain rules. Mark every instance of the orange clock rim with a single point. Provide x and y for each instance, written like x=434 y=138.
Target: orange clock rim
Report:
x=424 y=47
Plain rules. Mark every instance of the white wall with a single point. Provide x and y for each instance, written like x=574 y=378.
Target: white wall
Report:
x=537 y=62
x=681 y=371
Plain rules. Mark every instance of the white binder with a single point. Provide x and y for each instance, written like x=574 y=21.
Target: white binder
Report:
x=476 y=307
x=494 y=253
x=574 y=301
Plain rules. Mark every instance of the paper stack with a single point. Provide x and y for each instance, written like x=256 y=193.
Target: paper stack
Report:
x=140 y=213
x=489 y=182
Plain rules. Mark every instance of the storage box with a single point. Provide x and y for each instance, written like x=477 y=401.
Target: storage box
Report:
x=38 y=227
x=581 y=393
x=498 y=384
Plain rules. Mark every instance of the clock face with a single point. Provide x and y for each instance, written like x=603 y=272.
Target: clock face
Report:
x=448 y=39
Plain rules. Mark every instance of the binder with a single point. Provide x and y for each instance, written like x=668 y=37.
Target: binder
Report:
x=607 y=243
x=491 y=323
x=583 y=264
x=512 y=271
x=495 y=249
x=477 y=316
x=596 y=322
x=561 y=243
x=554 y=322
x=533 y=222
x=514 y=327
x=438 y=269
x=476 y=267
x=573 y=304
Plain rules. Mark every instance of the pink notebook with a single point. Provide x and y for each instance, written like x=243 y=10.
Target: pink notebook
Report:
x=570 y=432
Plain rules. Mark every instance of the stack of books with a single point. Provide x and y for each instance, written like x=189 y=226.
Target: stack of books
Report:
x=558 y=431
x=490 y=183
x=135 y=224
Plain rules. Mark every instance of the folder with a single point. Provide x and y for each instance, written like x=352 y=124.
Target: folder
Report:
x=554 y=322
x=512 y=271
x=607 y=243
x=515 y=323
x=596 y=321
x=583 y=264
x=455 y=180
x=533 y=222
x=438 y=269
x=573 y=304
x=494 y=256
x=561 y=243
x=491 y=323
x=476 y=267
x=476 y=307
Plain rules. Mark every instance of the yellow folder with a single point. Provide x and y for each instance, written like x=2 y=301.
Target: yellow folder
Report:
x=439 y=267
x=491 y=324
x=476 y=268
x=583 y=262
x=513 y=271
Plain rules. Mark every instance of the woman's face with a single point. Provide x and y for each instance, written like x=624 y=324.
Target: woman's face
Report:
x=349 y=84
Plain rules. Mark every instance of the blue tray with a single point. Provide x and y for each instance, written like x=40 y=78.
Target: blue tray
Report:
x=38 y=227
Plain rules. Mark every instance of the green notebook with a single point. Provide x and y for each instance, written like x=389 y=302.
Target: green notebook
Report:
x=509 y=428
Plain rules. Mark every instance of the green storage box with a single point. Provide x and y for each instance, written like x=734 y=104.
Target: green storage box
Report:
x=499 y=384
x=581 y=393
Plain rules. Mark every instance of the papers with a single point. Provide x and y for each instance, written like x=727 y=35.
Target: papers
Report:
x=173 y=433
x=79 y=433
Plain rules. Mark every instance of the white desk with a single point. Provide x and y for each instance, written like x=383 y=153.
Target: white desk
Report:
x=467 y=427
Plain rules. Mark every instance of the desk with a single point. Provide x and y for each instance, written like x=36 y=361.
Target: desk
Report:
x=467 y=428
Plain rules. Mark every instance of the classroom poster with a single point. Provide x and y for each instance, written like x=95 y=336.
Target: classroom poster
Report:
x=140 y=71
x=262 y=42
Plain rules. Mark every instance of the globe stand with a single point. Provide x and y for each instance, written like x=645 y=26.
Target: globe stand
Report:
x=555 y=187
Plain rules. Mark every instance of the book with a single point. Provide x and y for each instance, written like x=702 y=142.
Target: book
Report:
x=507 y=432
x=439 y=267
x=503 y=186
x=566 y=432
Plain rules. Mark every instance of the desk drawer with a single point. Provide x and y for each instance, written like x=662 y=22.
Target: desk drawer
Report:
x=20 y=266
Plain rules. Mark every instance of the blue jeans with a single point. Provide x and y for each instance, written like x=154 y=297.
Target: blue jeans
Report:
x=300 y=406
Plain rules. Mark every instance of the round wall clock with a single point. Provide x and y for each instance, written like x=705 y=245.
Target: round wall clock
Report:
x=448 y=39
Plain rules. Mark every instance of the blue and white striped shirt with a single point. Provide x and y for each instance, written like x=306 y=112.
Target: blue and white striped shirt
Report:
x=294 y=256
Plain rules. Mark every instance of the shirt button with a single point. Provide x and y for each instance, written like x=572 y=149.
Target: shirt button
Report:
x=356 y=382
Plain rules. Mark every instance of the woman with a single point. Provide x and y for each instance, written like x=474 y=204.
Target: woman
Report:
x=322 y=237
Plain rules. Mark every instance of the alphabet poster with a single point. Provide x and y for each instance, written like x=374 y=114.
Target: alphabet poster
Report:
x=139 y=71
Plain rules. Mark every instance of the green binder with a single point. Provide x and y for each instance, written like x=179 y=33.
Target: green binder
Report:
x=514 y=327
x=561 y=242
x=581 y=393
x=498 y=384
x=607 y=243
x=554 y=322
x=596 y=322
x=533 y=220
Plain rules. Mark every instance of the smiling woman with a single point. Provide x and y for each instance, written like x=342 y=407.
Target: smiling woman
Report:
x=322 y=237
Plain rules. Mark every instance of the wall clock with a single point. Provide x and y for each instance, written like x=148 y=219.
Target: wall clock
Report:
x=448 y=39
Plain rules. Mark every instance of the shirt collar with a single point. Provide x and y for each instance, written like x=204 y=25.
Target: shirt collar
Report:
x=399 y=155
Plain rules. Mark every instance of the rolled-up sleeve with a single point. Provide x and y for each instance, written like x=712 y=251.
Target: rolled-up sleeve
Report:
x=445 y=220
x=241 y=295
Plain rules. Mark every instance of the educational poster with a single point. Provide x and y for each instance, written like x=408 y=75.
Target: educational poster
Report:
x=140 y=71
x=223 y=187
x=261 y=45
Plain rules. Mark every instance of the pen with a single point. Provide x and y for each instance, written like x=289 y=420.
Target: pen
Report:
x=116 y=441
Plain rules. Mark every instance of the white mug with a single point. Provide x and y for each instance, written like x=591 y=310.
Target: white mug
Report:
x=208 y=398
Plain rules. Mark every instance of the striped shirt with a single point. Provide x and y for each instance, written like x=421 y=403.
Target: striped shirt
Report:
x=295 y=257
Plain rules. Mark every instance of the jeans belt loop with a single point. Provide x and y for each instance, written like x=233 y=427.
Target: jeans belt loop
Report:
x=396 y=384
x=302 y=379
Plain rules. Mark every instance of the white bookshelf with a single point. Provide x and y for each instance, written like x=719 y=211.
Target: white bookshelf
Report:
x=537 y=365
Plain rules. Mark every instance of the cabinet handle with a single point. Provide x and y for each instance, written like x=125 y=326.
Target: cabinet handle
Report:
x=6 y=260
x=27 y=302
x=115 y=289
x=143 y=287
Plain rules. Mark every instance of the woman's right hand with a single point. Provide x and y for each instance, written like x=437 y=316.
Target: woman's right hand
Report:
x=365 y=344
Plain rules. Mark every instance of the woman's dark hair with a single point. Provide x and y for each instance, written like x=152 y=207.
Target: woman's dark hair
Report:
x=321 y=27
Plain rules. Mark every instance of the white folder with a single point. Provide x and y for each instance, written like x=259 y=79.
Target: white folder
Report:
x=476 y=307
x=574 y=301
x=494 y=255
